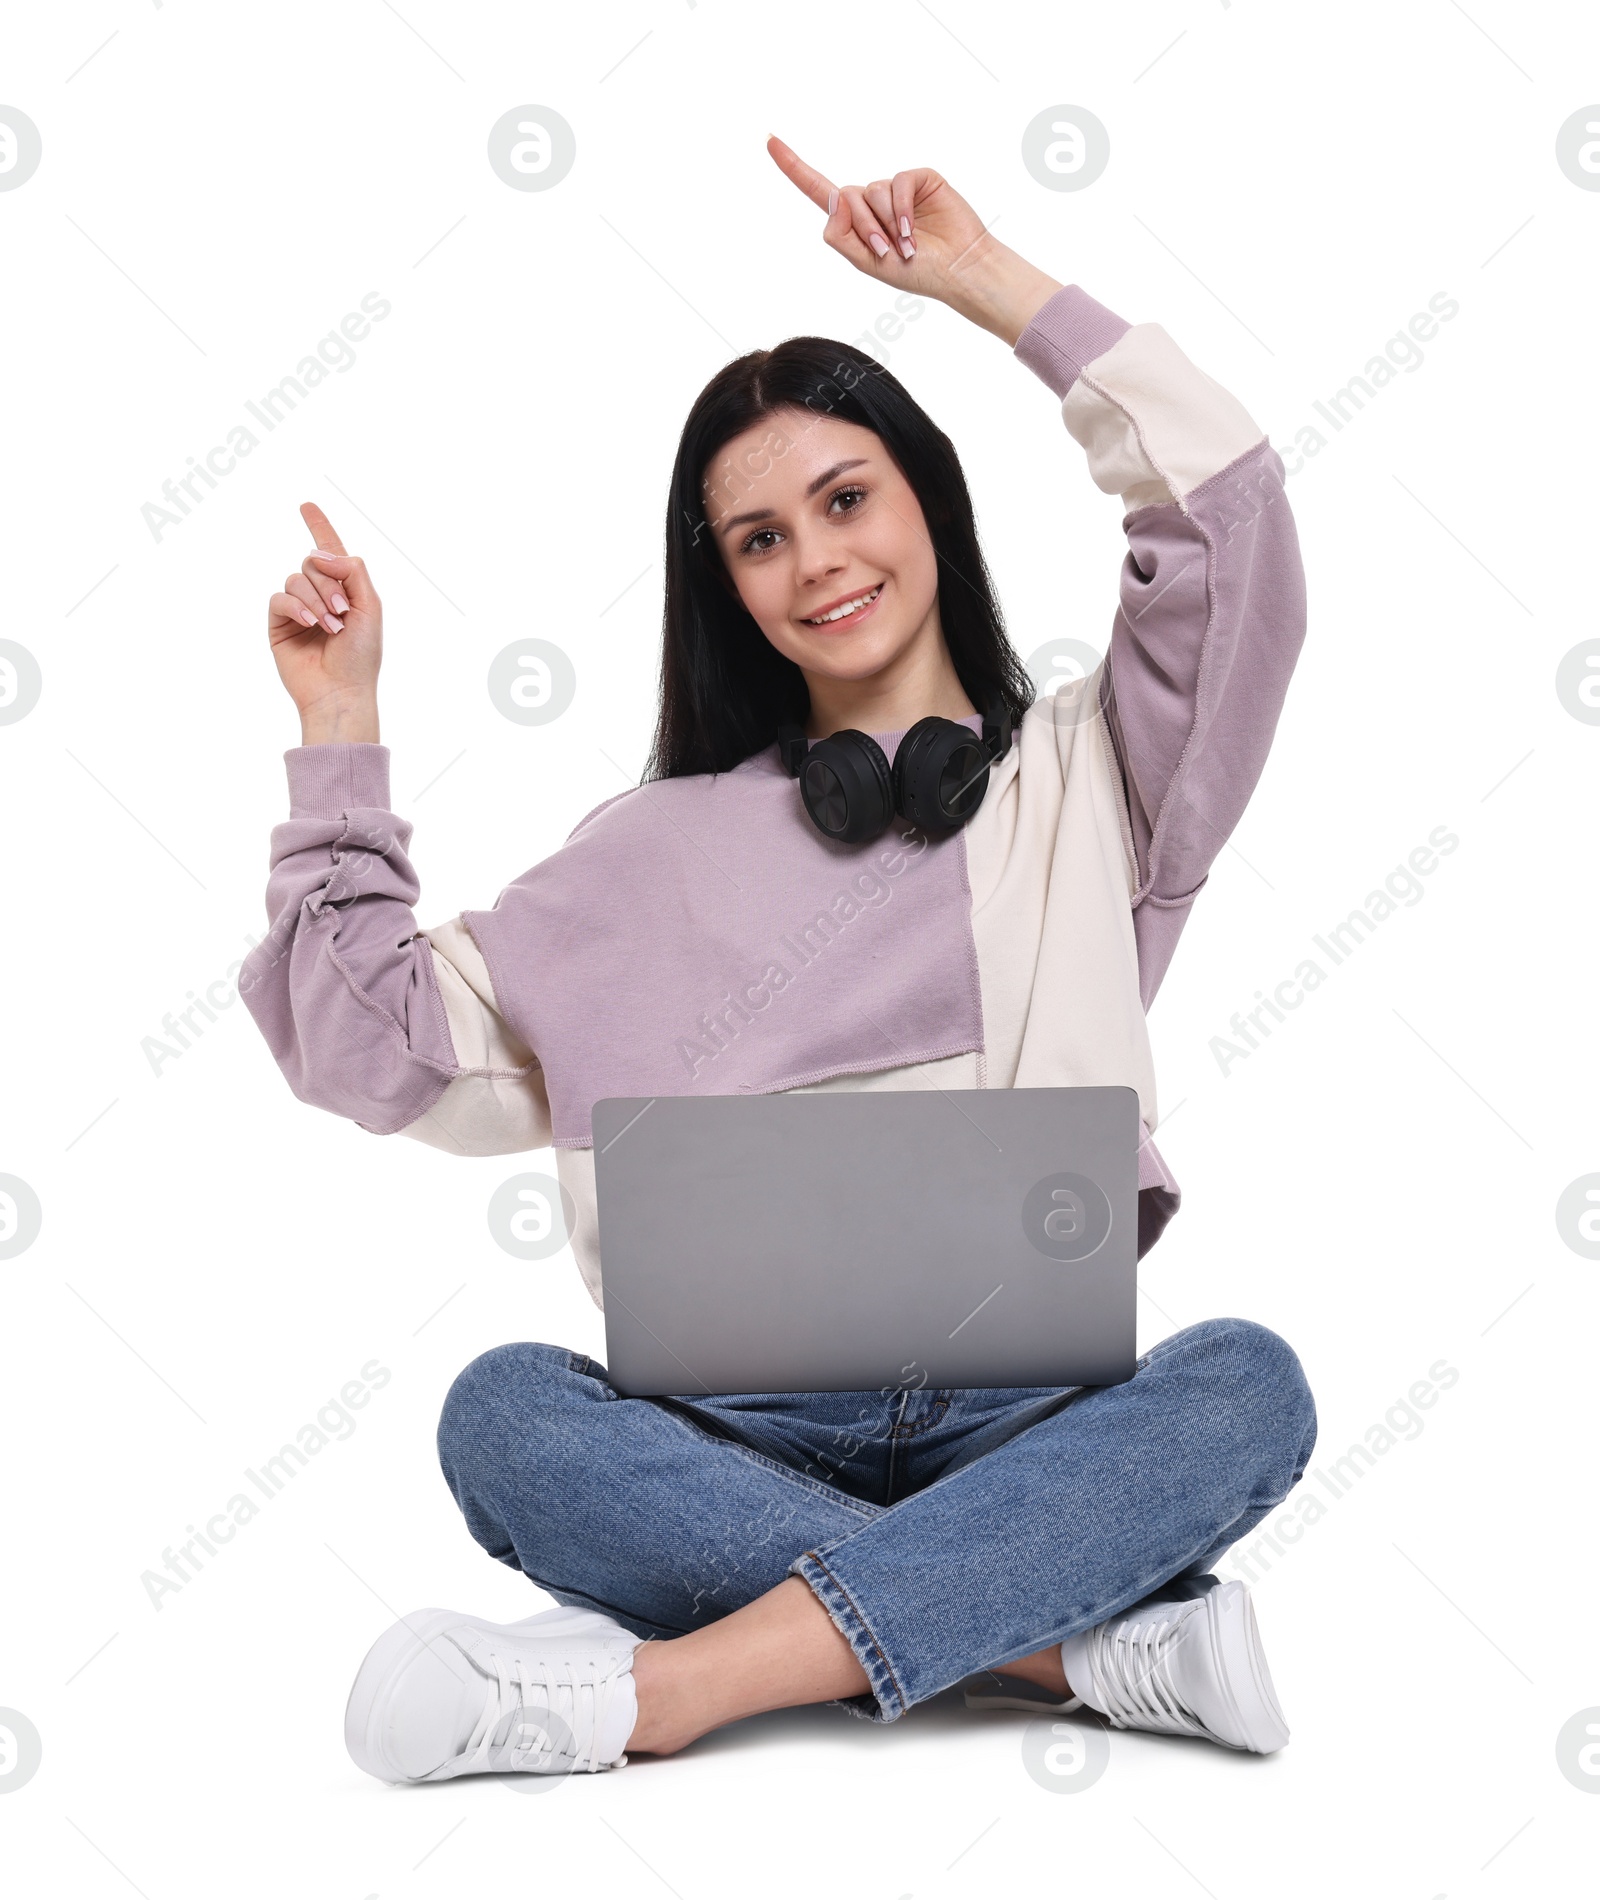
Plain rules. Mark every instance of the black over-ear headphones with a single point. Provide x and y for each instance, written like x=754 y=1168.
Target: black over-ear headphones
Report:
x=938 y=779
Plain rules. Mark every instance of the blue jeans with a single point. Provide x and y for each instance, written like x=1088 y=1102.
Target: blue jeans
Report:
x=944 y=1532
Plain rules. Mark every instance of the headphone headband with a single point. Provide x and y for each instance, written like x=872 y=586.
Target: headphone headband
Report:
x=792 y=743
x=999 y=727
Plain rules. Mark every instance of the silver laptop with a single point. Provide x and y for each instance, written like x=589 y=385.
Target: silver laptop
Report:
x=852 y=1242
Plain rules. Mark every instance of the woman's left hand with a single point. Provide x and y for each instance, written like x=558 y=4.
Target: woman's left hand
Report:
x=914 y=232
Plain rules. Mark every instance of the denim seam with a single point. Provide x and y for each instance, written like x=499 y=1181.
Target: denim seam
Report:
x=1165 y=1574
x=613 y=1610
x=863 y=1632
x=1072 y=1393
x=935 y=1417
x=868 y=1513
x=1152 y=1584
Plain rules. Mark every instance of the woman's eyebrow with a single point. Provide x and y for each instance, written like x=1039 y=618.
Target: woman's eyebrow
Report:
x=827 y=475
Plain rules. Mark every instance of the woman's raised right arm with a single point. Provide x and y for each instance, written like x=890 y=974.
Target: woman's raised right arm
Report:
x=395 y=1028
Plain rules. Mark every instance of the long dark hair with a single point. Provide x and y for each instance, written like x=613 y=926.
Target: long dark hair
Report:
x=724 y=687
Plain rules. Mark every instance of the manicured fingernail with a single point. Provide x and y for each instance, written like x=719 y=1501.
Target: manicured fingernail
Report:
x=905 y=227
x=907 y=248
x=340 y=604
x=878 y=244
x=833 y=202
x=308 y=616
x=333 y=626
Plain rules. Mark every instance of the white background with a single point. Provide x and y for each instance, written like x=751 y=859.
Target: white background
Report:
x=1378 y=1182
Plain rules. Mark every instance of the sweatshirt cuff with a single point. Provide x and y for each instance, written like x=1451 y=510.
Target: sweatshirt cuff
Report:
x=1068 y=331
x=325 y=781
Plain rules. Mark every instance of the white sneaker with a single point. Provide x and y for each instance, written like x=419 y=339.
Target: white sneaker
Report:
x=1182 y=1665
x=441 y=1694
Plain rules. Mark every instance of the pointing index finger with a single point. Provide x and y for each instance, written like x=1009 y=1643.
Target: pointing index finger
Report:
x=321 y=528
x=817 y=188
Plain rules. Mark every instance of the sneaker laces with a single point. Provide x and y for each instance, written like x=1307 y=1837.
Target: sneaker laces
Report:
x=1131 y=1663
x=532 y=1685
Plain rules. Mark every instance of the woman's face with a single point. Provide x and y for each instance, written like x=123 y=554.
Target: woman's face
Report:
x=812 y=514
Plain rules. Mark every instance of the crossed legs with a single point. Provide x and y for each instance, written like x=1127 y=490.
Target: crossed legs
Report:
x=768 y=1585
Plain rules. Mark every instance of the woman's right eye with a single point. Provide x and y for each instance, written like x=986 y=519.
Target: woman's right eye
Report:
x=749 y=543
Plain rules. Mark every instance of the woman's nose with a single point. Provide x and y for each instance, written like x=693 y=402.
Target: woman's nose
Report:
x=816 y=556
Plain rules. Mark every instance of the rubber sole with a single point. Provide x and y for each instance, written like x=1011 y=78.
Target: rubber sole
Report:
x=363 y=1725
x=1242 y=1669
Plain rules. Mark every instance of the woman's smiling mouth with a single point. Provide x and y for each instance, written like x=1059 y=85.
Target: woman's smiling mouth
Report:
x=852 y=607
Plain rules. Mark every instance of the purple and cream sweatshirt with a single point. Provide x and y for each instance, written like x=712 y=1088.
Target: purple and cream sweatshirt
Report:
x=700 y=936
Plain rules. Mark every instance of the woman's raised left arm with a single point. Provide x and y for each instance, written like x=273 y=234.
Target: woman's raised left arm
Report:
x=1212 y=603
x=1211 y=610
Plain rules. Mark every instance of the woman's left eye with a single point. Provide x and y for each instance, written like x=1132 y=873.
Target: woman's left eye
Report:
x=852 y=497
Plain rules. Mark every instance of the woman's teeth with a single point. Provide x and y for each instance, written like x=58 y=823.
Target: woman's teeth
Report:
x=849 y=607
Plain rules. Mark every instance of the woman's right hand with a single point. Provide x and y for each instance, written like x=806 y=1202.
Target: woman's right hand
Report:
x=326 y=631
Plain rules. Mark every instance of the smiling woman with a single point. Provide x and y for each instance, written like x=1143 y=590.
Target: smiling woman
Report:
x=828 y=609
x=812 y=498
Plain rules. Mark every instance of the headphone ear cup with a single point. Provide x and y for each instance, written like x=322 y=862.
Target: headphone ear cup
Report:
x=847 y=787
x=940 y=774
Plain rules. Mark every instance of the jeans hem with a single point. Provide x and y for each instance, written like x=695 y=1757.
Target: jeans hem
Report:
x=887 y=1702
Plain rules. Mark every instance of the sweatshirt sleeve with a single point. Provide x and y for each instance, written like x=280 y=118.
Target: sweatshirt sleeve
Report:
x=1211 y=612
x=369 y=1017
